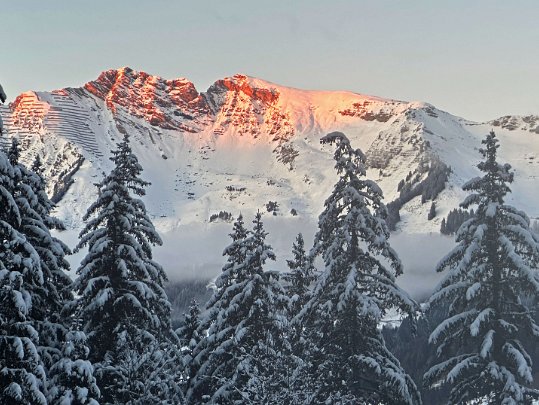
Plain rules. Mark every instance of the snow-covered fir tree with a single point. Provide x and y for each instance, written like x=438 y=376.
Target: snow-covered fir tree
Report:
x=239 y=359
x=491 y=289
x=121 y=304
x=349 y=362
x=188 y=333
x=36 y=223
x=49 y=299
x=22 y=375
x=225 y=291
x=189 y=336
x=270 y=364
x=152 y=374
x=300 y=277
x=432 y=211
x=72 y=379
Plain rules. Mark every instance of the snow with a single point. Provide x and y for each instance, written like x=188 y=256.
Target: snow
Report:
x=481 y=317
x=487 y=344
x=523 y=368
x=461 y=366
x=449 y=323
x=472 y=290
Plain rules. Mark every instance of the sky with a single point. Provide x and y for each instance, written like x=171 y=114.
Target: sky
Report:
x=476 y=59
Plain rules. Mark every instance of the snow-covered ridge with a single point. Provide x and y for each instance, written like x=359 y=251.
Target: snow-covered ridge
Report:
x=246 y=142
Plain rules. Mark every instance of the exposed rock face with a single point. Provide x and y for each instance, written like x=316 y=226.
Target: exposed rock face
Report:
x=177 y=105
x=239 y=83
x=369 y=111
x=248 y=109
x=169 y=104
x=28 y=112
x=510 y=122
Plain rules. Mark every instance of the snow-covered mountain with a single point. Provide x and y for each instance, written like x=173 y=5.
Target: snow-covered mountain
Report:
x=246 y=143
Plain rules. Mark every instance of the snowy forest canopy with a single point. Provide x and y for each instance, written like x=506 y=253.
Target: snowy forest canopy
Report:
x=306 y=336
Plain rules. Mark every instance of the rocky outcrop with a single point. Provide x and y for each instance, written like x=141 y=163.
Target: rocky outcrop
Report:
x=177 y=105
x=369 y=111
x=510 y=122
x=168 y=104
x=248 y=109
x=240 y=83
x=28 y=112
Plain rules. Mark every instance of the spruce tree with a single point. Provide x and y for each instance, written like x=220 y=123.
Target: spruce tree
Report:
x=189 y=336
x=432 y=211
x=121 y=304
x=443 y=230
x=227 y=286
x=73 y=381
x=300 y=277
x=46 y=315
x=149 y=375
x=298 y=286
x=491 y=287
x=345 y=348
x=238 y=360
x=22 y=375
x=188 y=333
x=36 y=223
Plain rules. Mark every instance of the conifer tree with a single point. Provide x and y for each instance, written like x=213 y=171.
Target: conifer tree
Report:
x=22 y=375
x=189 y=336
x=149 y=375
x=188 y=333
x=238 y=359
x=490 y=286
x=36 y=223
x=122 y=305
x=73 y=381
x=227 y=286
x=14 y=152
x=432 y=211
x=47 y=313
x=298 y=285
x=236 y=253
x=345 y=349
x=300 y=277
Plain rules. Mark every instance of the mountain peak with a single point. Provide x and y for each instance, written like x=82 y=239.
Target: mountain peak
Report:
x=112 y=82
x=247 y=85
x=150 y=97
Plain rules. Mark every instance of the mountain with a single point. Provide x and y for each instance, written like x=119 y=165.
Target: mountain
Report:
x=246 y=144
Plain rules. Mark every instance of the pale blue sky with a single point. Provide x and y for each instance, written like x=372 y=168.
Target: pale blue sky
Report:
x=477 y=59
